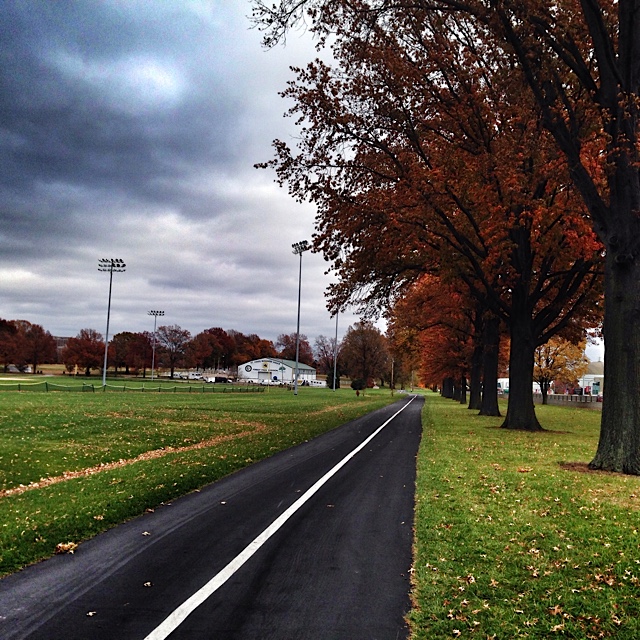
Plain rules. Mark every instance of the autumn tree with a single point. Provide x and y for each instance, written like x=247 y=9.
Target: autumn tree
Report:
x=581 y=63
x=173 y=341
x=250 y=347
x=404 y=350
x=8 y=333
x=86 y=351
x=559 y=359
x=212 y=348
x=429 y=304
x=444 y=331
x=420 y=159
x=200 y=350
x=223 y=347
x=34 y=345
x=121 y=350
x=445 y=361
x=140 y=352
x=327 y=358
x=286 y=346
x=365 y=352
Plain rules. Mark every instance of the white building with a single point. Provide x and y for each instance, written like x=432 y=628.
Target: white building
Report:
x=275 y=370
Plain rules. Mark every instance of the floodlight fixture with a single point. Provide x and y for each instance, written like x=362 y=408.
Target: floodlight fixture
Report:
x=298 y=249
x=110 y=265
x=156 y=315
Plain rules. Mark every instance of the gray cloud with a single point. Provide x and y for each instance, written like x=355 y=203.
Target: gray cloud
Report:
x=130 y=129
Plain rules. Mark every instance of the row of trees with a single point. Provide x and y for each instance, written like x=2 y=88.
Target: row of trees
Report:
x=176 y=347
x=488 y=150
x=440 y=330
x=362 y=354
x=450 y=182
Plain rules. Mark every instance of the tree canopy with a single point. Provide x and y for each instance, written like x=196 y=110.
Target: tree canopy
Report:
x=421 y=159
x=578 y=65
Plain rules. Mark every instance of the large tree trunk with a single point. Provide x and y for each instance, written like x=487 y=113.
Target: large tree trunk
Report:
x=475 y=376
x=619 y=444
x=447 y=388
x=544 y=390
x=463 y=389
x=521 y=412
x=490 y=360
x=475 y=371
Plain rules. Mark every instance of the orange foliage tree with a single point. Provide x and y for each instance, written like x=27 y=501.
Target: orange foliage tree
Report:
x=421 y=158
x=469 y=330
x=581 y=63
x=34 y=345
x=86 y=350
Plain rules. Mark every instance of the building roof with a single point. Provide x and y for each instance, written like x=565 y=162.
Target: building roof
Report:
x=596 y=368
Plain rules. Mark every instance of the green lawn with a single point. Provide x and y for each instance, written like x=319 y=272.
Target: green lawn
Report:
x=53 y=435
x=514 y=539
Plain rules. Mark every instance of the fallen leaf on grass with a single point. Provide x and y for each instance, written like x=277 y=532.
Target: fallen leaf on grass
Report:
x=66 y=547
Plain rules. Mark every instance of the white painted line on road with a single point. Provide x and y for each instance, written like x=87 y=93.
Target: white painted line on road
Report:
x=175 y=619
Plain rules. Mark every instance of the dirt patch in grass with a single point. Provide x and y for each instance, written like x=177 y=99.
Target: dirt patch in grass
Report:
x=147 y=455
x=583 y=467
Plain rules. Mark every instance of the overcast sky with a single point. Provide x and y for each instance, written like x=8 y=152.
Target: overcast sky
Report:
x=129 y=129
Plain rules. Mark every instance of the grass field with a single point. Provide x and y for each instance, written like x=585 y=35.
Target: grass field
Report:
x=514 y=538
x=74 y=464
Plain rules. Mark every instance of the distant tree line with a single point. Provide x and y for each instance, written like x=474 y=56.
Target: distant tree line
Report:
x=362 y=354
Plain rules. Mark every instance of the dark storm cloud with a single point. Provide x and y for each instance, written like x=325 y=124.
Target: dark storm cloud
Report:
x=95 y=96
x=129 y=129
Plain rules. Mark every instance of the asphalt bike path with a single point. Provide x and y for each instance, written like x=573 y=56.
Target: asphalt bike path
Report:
x=314 y=542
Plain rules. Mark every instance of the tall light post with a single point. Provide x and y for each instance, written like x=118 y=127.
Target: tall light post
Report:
x=335 y=352
x=110 y=265
x=298 y=249
x=155 y=315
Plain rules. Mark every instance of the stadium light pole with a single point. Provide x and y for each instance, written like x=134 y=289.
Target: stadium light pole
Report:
x=110 y=265
x=298 y=249
x=155 y=315
x=335 y=352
